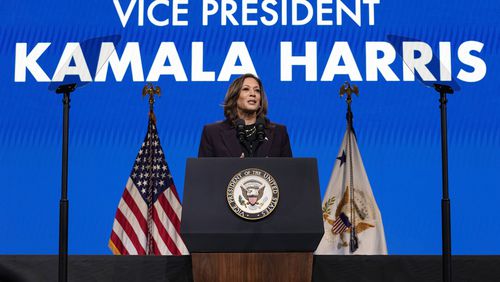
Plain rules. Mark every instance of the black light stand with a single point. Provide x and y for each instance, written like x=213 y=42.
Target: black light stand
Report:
x=445 y=201
x=64 y=203
x=448 y=87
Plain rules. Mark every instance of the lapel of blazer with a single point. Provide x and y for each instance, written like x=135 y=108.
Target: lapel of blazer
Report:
x=265 y=147
x=230 y=140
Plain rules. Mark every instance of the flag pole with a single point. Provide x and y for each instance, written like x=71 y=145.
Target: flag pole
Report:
x=347 y=90
x=64 y=203
x=150 y=90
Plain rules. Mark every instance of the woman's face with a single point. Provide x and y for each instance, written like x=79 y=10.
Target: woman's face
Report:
x=249 y=97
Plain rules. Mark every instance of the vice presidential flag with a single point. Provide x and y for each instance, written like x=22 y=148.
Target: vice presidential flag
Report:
x=148 y=217
x=352 y=220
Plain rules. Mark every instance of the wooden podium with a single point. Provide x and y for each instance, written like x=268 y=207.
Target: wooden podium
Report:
x=231 y=267
x=227 y=247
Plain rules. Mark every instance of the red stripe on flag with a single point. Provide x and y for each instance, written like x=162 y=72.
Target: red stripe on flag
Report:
x=338 y=226
x=132 y=205
x=156 y=250
x=130 y=232
x=174 y=191
x=118 y=243
x=164 y=235
x=172 y=216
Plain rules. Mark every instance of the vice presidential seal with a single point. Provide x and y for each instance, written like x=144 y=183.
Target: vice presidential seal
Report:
x=252 y=194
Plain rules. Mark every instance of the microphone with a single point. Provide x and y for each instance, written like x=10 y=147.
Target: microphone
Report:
x=259 y=126
x=240 y=129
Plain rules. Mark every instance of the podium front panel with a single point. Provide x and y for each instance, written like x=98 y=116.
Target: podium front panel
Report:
x=209 y=224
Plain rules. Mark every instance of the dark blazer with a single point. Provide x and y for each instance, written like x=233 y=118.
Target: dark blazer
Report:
x=220 y=140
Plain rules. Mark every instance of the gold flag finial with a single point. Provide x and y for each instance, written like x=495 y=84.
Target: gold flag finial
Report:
x=151 y=90
x=347 y=89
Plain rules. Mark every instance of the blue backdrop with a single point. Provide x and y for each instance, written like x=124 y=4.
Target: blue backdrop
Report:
x=397 y=123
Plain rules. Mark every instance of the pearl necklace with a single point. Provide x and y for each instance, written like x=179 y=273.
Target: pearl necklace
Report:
x=249 y=132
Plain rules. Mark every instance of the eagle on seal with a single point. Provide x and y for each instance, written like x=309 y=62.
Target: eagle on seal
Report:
x=252 y=191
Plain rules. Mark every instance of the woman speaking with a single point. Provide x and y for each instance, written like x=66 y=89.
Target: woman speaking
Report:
x=246 y=132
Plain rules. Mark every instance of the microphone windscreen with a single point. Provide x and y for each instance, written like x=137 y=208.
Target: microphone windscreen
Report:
x=240 y=129
x=259 y=126
x=260 y=123
x=239 y=123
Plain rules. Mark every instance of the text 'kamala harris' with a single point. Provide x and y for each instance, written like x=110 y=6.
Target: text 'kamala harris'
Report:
x=236 y=58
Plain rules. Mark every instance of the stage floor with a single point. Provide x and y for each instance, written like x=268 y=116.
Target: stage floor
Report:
x=326 y=268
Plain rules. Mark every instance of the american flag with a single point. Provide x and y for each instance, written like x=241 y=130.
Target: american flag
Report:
x=148 y=217
x=340 y=224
